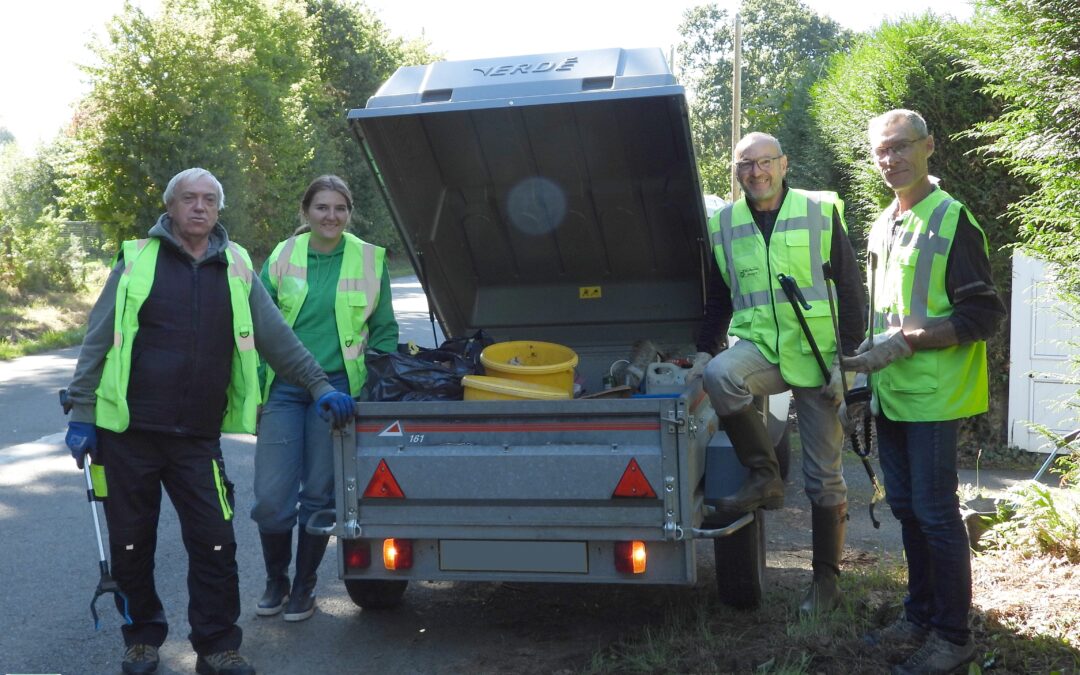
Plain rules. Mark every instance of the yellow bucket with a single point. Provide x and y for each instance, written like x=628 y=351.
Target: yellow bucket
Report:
x=537 y=362
x=486 y=388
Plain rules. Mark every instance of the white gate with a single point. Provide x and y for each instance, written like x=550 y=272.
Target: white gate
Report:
x=1039 y=348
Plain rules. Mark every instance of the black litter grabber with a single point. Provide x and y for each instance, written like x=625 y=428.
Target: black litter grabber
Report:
x=871 y=264
x=106 y=584
x=795 y=297
x=855 y=398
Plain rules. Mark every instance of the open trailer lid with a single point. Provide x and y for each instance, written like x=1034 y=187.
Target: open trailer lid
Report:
x=544 y=196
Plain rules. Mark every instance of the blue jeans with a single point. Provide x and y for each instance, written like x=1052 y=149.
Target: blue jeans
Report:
x=294 y=462
x=918 y=460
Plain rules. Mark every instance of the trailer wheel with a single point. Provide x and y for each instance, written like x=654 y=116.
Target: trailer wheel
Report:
x=376 y=593
x=740 y=565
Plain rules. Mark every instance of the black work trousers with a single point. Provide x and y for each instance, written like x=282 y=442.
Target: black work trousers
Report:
x=137 y=463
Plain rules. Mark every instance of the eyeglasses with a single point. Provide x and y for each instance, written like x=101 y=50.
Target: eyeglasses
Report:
x=763 y=164
x=899 y=149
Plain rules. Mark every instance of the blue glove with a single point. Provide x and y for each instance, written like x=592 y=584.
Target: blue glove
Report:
x=336 y=408
x=81 y=439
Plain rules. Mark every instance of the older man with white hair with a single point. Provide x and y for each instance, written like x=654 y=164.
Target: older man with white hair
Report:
x=169 y=362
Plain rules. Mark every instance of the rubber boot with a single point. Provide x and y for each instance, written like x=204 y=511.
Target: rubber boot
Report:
x=830 y=524
x=763 y=489
x=277 y=553
x=309 y=553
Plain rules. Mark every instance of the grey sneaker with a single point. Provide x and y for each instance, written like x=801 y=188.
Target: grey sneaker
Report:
x=140 y=660
x=937 y=656
x=223 y=663
x=898 y=634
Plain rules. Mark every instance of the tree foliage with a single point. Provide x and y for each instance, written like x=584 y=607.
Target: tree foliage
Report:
x=785 y=47
x=253 y=90
x=353 y=54
x=1028 y=52
x=913 y=64
x=36 y=252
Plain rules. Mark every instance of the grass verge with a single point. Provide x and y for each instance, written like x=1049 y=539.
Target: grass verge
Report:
x=33 y=322
x=37 y=321
x=399 y=266
x=1012 y=634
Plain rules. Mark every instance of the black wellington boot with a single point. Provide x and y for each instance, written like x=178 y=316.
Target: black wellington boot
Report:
x=277 y=553
x=309 y=553
x=763 y=489
x=830 y=526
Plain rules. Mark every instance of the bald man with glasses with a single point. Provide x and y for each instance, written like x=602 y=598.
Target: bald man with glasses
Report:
x=775 y=229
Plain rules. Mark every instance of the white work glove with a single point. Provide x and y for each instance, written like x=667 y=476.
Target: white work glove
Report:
x=701 y=359
x=872 y=356
x=850 y=415
x=834 y=390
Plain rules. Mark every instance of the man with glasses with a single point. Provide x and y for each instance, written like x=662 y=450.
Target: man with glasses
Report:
x=935 y=305
x=776 y=230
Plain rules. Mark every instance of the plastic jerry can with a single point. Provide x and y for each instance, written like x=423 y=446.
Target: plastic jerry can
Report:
x=665 y=378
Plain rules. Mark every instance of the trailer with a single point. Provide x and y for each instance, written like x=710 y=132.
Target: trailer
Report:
x=550 y=197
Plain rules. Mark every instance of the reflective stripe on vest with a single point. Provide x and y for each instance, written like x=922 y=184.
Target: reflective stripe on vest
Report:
x=243 y=400
x=133 y=288
x=800 y=242
x=358 y=289
x=927 y=245
x=935 y=384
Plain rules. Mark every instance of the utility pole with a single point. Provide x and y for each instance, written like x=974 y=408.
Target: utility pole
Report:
x=736 y=104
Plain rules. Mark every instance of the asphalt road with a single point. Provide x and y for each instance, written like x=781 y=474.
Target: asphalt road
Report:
x=48 y=568
x=48 y=553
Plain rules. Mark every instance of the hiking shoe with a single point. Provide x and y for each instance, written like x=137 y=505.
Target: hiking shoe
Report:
x=140 y=660
x=223 y=663
x=898 y=634
x=937 y=656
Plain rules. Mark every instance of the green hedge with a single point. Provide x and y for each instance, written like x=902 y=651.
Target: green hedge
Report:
x=912 y=64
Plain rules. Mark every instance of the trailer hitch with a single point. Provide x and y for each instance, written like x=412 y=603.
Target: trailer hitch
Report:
x=727 y=530
x=315 y=525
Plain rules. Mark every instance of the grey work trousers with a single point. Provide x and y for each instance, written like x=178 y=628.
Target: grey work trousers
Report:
x=736 y=375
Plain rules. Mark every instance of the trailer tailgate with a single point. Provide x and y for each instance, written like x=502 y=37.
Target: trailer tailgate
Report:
x=549 y=467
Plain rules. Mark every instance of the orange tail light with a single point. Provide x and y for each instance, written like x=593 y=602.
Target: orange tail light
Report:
x=630 y=557
x=397 y=554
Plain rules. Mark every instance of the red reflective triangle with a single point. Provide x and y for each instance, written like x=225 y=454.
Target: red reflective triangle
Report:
x=383 y=484
x=633 y=483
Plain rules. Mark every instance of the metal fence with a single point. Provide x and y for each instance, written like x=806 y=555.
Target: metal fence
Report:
x=91 y=236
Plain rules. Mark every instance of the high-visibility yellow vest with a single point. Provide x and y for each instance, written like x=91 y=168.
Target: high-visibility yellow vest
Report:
x=932 y=385
x=140 y=264
x=800 y=243
x=358 y=289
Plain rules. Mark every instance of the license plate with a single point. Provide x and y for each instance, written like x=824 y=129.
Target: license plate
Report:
x=566 y=557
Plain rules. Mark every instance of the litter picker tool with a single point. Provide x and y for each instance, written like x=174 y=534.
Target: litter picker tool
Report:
x=795 y=297
x=871 y=264
x=106 y=584
x=854 y=398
